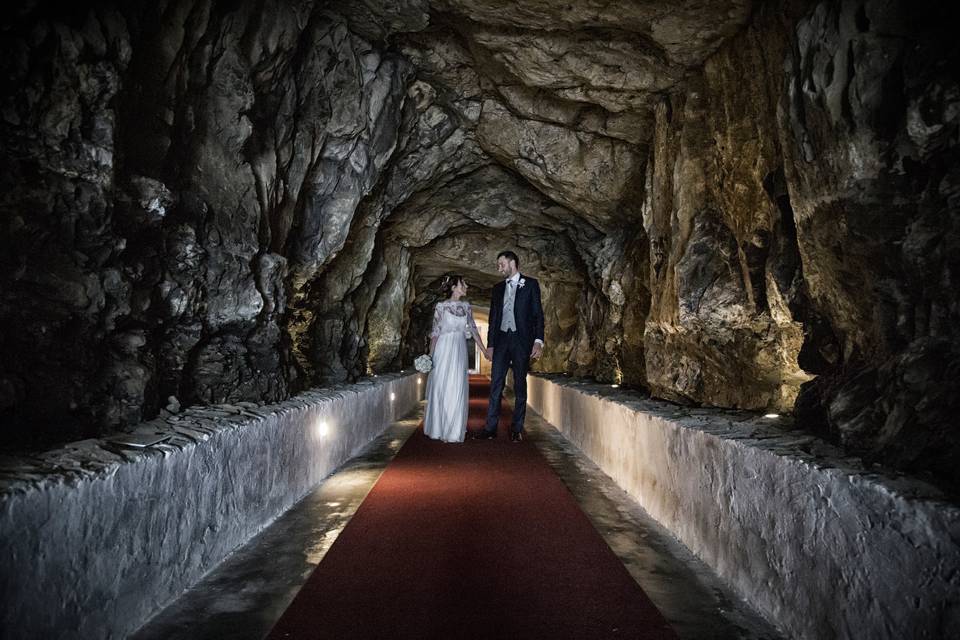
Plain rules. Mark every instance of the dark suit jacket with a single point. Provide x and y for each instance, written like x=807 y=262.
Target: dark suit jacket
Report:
x=527 y=311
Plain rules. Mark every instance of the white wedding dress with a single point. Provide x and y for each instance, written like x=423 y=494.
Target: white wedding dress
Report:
x=448 y=387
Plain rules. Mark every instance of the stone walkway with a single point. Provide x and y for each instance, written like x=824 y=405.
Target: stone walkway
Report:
x=243 y=597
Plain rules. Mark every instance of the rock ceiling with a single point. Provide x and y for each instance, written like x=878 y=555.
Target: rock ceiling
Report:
x=226 y=201
x=559 y=95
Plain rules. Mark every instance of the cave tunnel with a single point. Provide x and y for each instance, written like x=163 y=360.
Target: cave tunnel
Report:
x=225 y=233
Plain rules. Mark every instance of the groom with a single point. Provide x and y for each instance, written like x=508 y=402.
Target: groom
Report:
x=515 y=336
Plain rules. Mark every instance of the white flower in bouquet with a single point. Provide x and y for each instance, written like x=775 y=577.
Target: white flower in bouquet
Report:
x=423 y=363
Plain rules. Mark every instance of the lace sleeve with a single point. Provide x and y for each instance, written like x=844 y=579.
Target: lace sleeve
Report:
x=471 y=329
x=437 y=317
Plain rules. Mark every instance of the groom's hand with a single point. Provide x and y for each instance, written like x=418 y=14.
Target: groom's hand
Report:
x=537 y=350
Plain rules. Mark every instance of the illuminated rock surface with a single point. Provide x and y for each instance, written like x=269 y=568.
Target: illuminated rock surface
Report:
x=730 y=204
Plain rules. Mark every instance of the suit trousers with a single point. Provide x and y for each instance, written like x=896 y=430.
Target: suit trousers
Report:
x=509 y=353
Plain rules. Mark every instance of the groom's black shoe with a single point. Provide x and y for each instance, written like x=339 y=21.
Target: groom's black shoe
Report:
x=516 y=436
x=485 y=435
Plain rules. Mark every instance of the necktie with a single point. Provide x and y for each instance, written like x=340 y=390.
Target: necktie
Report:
x=509 y=323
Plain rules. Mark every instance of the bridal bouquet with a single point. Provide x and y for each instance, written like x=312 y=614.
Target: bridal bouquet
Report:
x=423 y=363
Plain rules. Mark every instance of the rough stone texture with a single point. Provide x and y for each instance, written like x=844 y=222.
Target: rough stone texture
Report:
x=723 y=254
x=618 y=73
x=872 y=161
x=688 y=31
x=536 y=104
x=218 y=202
x=220 y=158
x=589 y=174
x=461 y=225
x=821 y=545
x=250 y=156
x=799 y=220
x=61 y=284
x=116 y=533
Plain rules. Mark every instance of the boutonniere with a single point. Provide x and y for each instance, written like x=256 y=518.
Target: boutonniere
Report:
x=521 y=283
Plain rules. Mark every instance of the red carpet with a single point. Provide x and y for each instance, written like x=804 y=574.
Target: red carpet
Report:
x=472 y=540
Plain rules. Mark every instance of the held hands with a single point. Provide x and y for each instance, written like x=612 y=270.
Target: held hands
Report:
x=535 y=353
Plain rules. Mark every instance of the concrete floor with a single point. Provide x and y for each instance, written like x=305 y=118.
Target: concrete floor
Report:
x=247 y=593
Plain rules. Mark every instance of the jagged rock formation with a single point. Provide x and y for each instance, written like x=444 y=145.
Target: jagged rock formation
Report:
x=738 y=204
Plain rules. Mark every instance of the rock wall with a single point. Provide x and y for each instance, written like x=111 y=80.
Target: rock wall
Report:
x=726 y=277
x=62 y=283
x=743 y=205
x=871 y=129
x=801 y=208
x=116 y=533
x=177 y=176
x=822 y=545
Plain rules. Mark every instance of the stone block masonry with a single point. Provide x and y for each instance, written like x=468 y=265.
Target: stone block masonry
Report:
x=819 y=544
x=96 y=538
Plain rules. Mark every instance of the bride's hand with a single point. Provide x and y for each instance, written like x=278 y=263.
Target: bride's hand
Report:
x=487 y=353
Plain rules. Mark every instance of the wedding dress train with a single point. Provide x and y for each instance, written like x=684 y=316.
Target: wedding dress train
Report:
x=448 y=387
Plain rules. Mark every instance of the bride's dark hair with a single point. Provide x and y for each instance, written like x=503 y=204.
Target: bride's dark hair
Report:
x=448 y=283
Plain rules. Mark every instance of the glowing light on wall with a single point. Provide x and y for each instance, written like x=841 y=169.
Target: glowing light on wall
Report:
x=772 y=416
x=393 y=396
x=322 y=429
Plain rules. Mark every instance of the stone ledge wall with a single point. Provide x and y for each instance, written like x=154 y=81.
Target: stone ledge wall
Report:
x=819 y=545
x=95 y=539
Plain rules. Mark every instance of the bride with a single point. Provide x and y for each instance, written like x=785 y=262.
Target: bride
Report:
x=448 y=386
